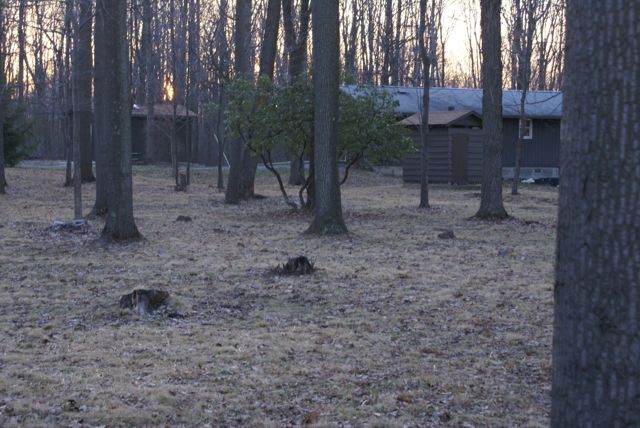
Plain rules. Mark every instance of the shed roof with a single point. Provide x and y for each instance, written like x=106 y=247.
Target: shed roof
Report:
x=162 y=110
x=445 y=118
x=538 y=104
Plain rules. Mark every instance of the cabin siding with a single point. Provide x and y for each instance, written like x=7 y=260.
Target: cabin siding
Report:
x=440 y=155
x=542 y=151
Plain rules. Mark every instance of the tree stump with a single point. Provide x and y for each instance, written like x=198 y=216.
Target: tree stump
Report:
x=181 y=186
x=296 y=266
x=447 y=234
x=144 y=301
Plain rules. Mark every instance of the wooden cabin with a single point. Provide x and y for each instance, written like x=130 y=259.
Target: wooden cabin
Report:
x=455 y=147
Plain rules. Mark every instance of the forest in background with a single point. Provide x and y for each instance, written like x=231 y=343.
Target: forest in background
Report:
x=183 y=51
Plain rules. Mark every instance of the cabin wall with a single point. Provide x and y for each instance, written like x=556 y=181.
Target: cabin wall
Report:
x=542 y=151
x=474 y=154
x=439 y=157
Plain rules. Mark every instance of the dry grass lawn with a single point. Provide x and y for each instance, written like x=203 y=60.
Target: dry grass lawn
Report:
x=396 y=328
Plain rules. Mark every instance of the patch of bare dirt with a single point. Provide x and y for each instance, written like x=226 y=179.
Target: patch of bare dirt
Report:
x=396 y=327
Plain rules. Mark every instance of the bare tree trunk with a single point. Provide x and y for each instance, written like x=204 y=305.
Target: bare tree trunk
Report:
x=350 y=57
x=326 y=80
x=223 y=73
x=296 y=45
x=113 y=96
x=148 y=56
x=298 y=56
x=220 y=138
x=267 y=65
x=177 y=88
x=242 y=36
x=270 y=39
x=82 y=81
x=395 y=67
x=3 y=95
x=533 y=13
x=101 y=137
x=424 y=126
x=387 y=42
x=596 y=340
x=76 y=102
x=491 y=206
x=66 y=101
x=519 y=143
x=22 y=47
x=193 y=83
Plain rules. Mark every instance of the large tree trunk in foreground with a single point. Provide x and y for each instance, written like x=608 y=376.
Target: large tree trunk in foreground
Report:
x=113 y=96
x=242 y=38
x=491 y=206
x=82 y=82
x=596 y=343
x=326 y=58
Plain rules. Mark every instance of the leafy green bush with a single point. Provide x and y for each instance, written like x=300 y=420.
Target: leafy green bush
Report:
x=266 y=116
x=17 y=134
x=368 y=129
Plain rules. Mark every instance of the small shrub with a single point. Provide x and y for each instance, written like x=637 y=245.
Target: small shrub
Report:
x=17 y=134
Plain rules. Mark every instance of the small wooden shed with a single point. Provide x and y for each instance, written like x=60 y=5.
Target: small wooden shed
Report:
x=455 y=147
x=160 y=151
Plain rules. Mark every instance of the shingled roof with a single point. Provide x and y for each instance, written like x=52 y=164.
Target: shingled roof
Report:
x=538 y=105
x=445 y=118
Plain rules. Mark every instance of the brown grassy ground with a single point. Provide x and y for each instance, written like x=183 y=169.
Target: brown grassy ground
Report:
x=397 y=327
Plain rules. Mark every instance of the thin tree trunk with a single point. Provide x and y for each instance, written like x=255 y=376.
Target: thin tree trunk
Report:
x=3 y=96
x=525 y=53
x=223 y=73
x=387 y=42
x=267 y=66
x=193 y=84
x=22 y=47
x=596 y=338
x=220 y=138
x=395 y=67
x=82 y=81
x=326 y=80
x=350 y=57
x=66 y=101
x=424 y=126
x=519 y=144
x=177 y=87
x=296 y=45
x=491 y=206
x=77 y=131
x=150 y=78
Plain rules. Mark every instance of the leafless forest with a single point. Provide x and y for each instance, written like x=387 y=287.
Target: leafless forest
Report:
x=185 y=49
